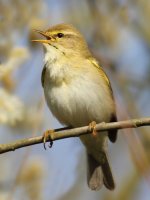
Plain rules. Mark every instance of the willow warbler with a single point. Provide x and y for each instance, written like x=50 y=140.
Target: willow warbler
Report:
x=78 y=92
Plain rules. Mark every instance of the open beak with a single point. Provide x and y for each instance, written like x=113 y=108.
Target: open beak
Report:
x=43 y=34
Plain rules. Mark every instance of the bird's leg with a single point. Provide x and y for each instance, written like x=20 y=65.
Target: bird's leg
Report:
x=92 y=128
x=47 y=136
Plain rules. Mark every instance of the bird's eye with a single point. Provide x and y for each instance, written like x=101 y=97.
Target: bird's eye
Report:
x=60 y=35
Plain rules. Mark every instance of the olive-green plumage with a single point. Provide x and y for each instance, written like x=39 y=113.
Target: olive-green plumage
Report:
x=78 y=91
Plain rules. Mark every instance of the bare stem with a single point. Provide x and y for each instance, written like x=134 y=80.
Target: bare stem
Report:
x=75 y=132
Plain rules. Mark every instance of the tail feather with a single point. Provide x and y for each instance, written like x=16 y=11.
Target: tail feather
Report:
x=99 y=174
x=108 y=177
x=95 y=175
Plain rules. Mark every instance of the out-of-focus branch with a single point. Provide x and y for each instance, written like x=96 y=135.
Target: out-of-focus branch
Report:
x=63 y=133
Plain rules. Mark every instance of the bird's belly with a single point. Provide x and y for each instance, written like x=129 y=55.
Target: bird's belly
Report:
x=78 y=105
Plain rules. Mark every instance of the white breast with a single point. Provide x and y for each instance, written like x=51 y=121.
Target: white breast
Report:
x=79 y=102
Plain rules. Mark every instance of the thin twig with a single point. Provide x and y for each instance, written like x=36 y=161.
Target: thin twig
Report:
x=75 y=132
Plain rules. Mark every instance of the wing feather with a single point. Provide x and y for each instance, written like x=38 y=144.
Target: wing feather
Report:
x=112 y=134
x=43 y=75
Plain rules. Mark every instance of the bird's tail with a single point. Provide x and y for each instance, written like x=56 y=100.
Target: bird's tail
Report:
x=99 y=173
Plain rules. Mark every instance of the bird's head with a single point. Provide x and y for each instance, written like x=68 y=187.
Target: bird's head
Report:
x=63 y=39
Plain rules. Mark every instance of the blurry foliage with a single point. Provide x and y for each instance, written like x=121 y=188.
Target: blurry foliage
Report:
x=16 y=58
x=16 y=18
x=103 y=22
x=11 y=108
x=31 y=180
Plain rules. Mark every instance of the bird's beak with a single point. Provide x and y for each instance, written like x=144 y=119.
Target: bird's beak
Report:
x=43 y=34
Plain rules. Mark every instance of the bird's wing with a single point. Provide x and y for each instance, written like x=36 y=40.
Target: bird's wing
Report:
x=43 y=75
x=103 y=74
x=112 y=134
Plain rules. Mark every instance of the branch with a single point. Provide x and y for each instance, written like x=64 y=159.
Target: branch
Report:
x=75 y=132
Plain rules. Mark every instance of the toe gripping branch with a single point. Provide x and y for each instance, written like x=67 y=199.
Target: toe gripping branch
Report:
x=92 y=128
x=47 y=136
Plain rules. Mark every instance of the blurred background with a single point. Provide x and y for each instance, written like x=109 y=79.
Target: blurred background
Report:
x=118 y=34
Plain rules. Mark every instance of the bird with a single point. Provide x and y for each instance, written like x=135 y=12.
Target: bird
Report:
x=78 y=93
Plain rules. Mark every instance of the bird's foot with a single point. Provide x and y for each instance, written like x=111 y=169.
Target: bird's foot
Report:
x=47 y=136
x=92 y=128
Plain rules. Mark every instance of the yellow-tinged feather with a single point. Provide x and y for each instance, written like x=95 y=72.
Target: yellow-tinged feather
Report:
x=78 y=91
x=103 y=74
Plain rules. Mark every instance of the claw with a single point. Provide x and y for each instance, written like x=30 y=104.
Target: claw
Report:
x=50 y=144
x=92 y=128
x=47 y=136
